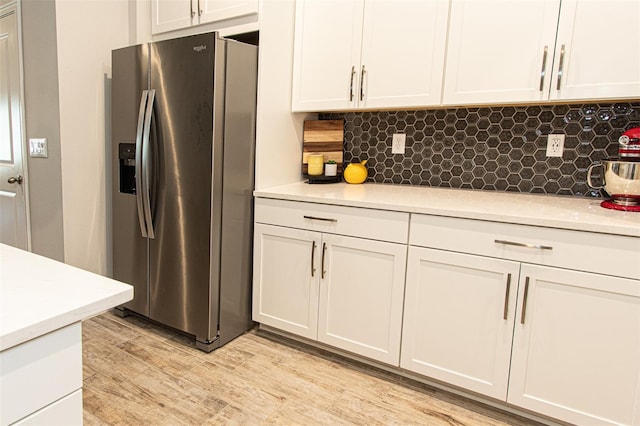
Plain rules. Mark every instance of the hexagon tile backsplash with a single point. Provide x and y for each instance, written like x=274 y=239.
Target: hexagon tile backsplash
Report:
x=489 y=148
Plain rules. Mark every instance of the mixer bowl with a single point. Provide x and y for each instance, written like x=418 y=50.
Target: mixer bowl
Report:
x=620 y=179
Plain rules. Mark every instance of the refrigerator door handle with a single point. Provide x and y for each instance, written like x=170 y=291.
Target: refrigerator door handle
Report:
x=138 y=163
x=146 y=199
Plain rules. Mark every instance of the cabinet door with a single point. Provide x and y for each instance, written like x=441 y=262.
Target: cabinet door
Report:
x=285 y=279
x=598 y=50
x=361 y=296
x=326 y=54
x=458 y=319
x=219 y=10
x=500 y=51
x=169 y=15
x=576 y=349
x=403 y=46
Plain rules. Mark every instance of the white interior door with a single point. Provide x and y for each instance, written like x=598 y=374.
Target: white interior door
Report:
x=13 y=217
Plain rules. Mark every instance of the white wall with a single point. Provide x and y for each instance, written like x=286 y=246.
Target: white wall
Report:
x=87 y=31
x=278 y=132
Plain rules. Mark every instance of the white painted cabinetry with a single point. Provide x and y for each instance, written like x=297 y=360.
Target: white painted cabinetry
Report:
x=170 y=15
x=532 y=51
x=332 y=274
x=576 y=349
x=41 y=379
x=500 y=51
x=368 y=54
x=458 y=319
x=597 y=50
x=576 y=334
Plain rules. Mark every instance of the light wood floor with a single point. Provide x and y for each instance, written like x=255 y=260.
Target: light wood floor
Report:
x=138 y=374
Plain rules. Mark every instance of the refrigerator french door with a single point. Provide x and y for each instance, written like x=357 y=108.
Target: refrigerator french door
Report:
x=183 y=127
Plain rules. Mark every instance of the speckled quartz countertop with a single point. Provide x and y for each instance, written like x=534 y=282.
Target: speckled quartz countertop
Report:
x=582 y=214
x=39 y=295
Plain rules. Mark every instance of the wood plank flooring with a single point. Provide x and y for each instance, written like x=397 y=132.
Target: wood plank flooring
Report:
x=136 y=373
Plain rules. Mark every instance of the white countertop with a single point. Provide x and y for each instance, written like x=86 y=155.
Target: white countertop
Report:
x=583 y=214
x=39 y=295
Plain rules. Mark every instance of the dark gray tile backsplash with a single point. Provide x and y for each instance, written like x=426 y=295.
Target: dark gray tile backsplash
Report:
x=489 y=148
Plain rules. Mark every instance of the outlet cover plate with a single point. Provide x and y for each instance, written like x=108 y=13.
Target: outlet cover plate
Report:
x=397 y=143
x=555 y=145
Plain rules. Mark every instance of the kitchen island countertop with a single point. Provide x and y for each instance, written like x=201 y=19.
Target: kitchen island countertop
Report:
x=39 y=295
x=563 y=212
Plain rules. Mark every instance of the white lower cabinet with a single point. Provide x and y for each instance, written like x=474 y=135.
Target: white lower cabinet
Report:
x=458 y=319
x=285 y=292
x=41 y=379
x=361 y=295
x=531 y=316
x=576 y=348
x=341 y=290
x=575 y=352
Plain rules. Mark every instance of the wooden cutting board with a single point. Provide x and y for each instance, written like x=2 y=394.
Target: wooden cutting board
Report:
x=323 y=137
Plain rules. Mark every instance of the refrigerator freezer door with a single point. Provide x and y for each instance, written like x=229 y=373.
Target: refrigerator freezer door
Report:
x=182 y=74
x=130 y=255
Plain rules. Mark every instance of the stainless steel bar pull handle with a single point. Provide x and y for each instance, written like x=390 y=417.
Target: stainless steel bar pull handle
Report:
x=506 y=297
x=146 y=164
x=324 y=251
x=193 y=12
x=313 y=257
x=138 y=163
x=362 y=74
x=544 y=67
x=353 y=74
x=560 y=67
x=526 y=245
x=199 y=9
x=524 y=300
x=323 y=219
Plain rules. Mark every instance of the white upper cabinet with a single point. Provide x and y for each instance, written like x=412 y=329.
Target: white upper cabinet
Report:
x=538 y=50
x=326 y=54
x=500 y=51
x=597 y=50
x=369 y=54
x=170 y=15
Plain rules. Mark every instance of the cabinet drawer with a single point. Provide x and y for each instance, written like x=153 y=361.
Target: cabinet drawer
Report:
x=351 y=221
x=585 y=251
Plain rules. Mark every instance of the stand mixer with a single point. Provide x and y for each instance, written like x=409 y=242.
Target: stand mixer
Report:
x=621 y=176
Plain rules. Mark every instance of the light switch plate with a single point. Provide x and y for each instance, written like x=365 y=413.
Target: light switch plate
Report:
x=38 y=147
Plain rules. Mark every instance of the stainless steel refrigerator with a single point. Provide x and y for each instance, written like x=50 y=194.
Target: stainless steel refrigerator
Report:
x=183 y=137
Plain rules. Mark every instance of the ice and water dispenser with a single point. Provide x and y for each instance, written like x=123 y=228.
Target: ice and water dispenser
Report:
x=127 y=157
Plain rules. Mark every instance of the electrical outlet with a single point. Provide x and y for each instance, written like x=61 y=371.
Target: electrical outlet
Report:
x=397 y=145
x=555 y=145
